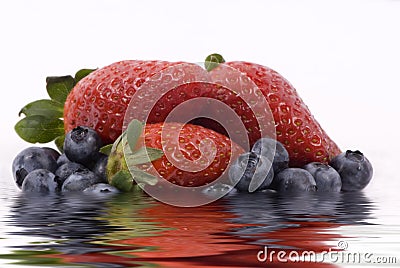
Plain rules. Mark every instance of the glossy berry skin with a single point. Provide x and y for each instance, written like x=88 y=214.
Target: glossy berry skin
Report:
x=101 y=188
x=296 y=128
x=251 y=166
x=100 y=166
x=82 y=145
x=30 y=159
x=79 y=181
x=266 y=147
x=326 y=177
x=65 y=170
x=294 y=180
x=40 y=181
x=354 y=169
x=181 y=143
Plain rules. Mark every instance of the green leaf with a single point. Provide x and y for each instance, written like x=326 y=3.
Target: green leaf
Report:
x=213 y=61
x=106 y=149
x=122 y=180
x=59 y=141
x=133 y=132
x=143 y=177
x=82 y=74
x=143 y=155
x=58 y=87
x=39 y=128
x=118 y=141
x=48 y=108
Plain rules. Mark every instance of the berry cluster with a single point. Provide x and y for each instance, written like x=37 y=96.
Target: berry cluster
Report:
x=82 y=167
x=348 y=171
x=91 y=106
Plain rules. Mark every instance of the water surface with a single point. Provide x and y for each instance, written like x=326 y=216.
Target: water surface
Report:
x=128 y=230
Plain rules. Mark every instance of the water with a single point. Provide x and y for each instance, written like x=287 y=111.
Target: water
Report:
x=128 y=230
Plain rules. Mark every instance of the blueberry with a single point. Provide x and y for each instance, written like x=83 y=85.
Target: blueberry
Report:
x=82 y=145
x=52 y=152
x=250 y=169
x=100 y=167
x=294 y=179
x=354 y=169
x=101 y=188
x=266 y=147
x=30 y=159
x=65 y=170
x=40 y=181
x=62 y=160
x=80 y=180
x=326 y=177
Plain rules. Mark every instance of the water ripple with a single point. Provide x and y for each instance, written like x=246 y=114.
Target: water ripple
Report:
x=128 y=230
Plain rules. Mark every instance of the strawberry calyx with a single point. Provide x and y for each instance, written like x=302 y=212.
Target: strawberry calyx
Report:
x=43 y=121
x=126 y=154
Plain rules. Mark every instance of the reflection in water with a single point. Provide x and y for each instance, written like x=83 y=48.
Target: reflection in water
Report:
x=297 y=222
x=126 y=231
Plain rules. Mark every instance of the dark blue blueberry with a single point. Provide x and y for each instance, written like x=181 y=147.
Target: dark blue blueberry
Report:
x=62 y=160
x=294 y=180
x=82 y=144
x=65 y=170
x=250 y=170
x=326 y=177
x=80 y=180
x=274 y=151
x=354 y=169
x=30 y=159
x=100 y=167
x=101 y=188
x=40 y=181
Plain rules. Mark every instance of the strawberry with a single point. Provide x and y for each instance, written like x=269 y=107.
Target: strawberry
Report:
x=296 y=128
x=192 y=155
x=189 y=144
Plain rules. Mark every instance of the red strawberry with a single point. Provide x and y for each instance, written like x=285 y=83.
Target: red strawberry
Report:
x=193 y=155
x=296 y=128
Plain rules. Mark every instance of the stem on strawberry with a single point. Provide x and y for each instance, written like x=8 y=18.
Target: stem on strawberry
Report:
x=213 y=60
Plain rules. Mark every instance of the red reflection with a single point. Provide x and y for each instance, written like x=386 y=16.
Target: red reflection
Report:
x=205 y=237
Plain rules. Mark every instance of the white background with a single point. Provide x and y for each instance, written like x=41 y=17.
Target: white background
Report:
x=342 y=56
